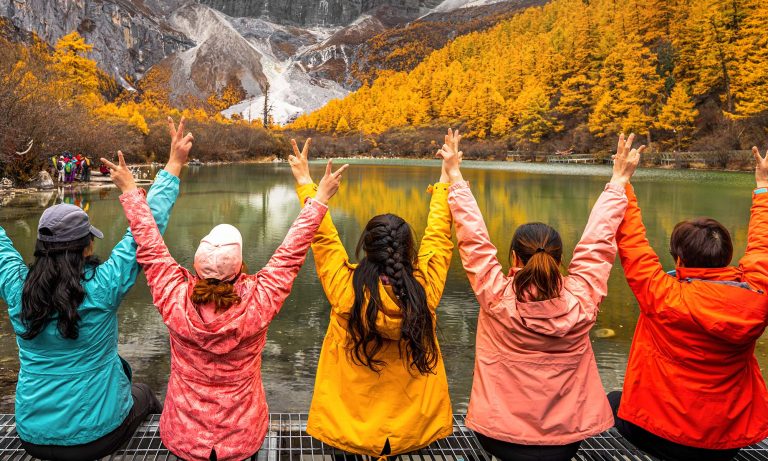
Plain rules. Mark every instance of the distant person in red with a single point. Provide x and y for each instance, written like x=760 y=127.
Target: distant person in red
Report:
x=104 y=169
x=693 y=388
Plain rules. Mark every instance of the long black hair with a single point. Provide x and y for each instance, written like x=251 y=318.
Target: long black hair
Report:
x=390 y=251
x=53 y=288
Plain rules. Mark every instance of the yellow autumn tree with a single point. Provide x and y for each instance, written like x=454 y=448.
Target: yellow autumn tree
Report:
x=679 y=115
x=342 y=126
x=534 y=119
x=750 y=83
x=78 y=75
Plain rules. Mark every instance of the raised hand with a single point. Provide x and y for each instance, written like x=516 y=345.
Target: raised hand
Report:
x=330 y=183
x=180 y=147
x=120 y=174
x=299 y=162
x=761 y=168
x=626 y=160
x=452 y=157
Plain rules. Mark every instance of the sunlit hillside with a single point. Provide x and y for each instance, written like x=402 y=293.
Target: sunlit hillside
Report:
x=684 y=72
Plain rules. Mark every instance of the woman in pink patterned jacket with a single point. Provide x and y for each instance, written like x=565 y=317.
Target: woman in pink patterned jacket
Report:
x=218 y=317
x=536 y=392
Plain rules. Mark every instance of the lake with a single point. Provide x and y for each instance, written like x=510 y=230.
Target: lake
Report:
x=260 y=200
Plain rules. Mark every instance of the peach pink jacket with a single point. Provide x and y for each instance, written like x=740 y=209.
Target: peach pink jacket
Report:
x=536 y=380
x=215 y=396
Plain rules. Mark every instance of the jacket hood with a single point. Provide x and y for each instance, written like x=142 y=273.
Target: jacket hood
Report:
x=224 y=333
x=389 y=320
x=552 y=317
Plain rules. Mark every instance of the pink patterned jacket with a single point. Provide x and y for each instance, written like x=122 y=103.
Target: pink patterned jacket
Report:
x=536 y=380
x=215 y=398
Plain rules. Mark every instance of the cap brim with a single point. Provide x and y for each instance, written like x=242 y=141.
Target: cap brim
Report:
x=97 y=233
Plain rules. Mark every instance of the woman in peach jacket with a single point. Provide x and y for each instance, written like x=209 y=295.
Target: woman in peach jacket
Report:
x=536 y=392
x=217 y=318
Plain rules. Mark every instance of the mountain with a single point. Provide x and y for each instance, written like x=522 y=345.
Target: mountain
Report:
x=571 y=75
x=306 y=51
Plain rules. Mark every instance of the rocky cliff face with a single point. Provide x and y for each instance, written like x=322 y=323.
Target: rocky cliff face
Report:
x=316 y=12
x=303 y=50
x=127 y=37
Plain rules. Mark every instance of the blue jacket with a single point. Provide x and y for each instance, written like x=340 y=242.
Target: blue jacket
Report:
x=72 y=392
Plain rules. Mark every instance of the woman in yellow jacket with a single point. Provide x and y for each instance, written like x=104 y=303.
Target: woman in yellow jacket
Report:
x=381 y=387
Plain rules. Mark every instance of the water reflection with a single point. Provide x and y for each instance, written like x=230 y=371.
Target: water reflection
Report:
x=261 y=202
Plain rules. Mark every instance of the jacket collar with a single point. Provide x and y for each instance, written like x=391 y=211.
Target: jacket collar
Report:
x=729 y=273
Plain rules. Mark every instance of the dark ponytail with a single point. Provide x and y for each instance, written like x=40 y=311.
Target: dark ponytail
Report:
x=390 y=251
x=540 y=249
x=53 y=287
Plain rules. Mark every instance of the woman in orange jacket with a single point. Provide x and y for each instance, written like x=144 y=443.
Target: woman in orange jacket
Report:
x=693 y=389
x=381 y=387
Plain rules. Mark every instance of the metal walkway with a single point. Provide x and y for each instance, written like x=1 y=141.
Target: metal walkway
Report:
x=287 y=441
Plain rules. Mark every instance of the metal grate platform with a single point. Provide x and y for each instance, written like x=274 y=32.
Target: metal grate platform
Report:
x=287 y=441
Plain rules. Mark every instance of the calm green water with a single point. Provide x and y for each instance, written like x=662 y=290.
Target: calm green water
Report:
x=261 y=202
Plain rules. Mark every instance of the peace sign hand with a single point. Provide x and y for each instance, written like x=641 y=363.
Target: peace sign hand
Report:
x=452 y=157
x=761 y=168
x=181 y=144
x=330 y=183
x=299 y=162
x=626 y=160
x=120 y=174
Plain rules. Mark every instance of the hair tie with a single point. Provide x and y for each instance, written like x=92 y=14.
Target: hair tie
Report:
x=540 y=250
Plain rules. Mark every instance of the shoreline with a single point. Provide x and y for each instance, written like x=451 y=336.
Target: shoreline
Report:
x=99 y=181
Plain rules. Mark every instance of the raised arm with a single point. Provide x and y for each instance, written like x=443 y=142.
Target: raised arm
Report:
x=478 y=255
x=594 y=255
x=166 y=279
x=436 y=247
x=642 y=268
x=274 y=282
x=331 y=261
x=13 y=271
x=754 y=264
x=118 y=274
x=333 y=267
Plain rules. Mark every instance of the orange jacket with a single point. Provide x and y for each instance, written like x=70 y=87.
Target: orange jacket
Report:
x=692 y=375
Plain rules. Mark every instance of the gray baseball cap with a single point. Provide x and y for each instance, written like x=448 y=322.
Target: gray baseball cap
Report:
x=65 y=223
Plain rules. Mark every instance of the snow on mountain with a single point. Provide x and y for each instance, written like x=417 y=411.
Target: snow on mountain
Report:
x=306 y=51
x=450 y=5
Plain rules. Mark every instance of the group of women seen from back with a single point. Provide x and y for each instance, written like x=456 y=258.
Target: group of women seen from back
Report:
x=692 y=390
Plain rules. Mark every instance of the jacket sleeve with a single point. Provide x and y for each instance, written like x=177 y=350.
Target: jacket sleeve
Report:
x=166 y=279
x=13 y=271
x=436 y=247
x=477 y=252
x=642 y=268
x=117 y=275
x=754 y=264
x=275 y=280
x=595 y=253
x=333 y=267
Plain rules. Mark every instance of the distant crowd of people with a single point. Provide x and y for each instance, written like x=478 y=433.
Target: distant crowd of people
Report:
x=70 y=168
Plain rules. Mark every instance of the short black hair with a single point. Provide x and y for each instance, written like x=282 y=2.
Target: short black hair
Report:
x=701 y=242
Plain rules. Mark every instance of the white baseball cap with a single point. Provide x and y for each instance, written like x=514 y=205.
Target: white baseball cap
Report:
x=220 y=254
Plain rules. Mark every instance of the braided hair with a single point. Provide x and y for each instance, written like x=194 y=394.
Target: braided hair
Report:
x=390 y=253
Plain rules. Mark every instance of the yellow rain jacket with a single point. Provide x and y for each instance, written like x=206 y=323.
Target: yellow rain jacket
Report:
x=354 y=408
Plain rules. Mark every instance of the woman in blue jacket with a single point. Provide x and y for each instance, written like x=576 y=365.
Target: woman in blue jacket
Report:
x=74 y=398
